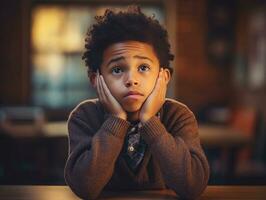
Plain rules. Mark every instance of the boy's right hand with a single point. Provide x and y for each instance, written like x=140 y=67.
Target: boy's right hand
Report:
x=107 y=99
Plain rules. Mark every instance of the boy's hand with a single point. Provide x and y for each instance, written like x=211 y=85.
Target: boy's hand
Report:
x=107 y=99
x=155 y=100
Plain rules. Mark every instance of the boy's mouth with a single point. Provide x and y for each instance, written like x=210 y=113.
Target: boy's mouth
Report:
x=133 y=93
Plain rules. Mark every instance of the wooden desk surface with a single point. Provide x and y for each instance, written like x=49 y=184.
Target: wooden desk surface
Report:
x=64 y=193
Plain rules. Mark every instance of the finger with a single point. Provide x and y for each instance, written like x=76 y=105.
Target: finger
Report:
x=164 y=89
x=102 y=89
x=97 y=84
x=160 y=79
x=156 y=88
x=157 y=85
x=106 y=92
x=103 y=84
x=163 y=85
x=105 y=88
x=163 y=78
x=160 y=85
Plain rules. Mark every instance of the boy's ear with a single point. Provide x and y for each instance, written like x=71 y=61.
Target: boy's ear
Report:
x=92 y=77
x=167 y=74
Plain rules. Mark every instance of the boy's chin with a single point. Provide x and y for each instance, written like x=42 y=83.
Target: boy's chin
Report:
x=131 y=109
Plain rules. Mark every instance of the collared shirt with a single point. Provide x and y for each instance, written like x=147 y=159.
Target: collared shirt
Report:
x=134 y=147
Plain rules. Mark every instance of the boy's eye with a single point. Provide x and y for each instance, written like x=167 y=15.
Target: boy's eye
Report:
x=116 y=70
x=144 y=68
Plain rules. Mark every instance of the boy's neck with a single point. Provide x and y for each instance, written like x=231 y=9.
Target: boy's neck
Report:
x=133 y=116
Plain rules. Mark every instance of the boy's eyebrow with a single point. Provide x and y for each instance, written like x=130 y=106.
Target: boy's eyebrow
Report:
x=123 y=58
x=143 y=57
x=116 y=59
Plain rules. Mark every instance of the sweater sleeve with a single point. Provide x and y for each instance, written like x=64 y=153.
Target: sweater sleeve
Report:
x=181 y=159
x=92 y=153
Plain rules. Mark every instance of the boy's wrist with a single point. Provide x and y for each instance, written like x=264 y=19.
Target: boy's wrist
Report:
x=122 y=116
x=145 y=119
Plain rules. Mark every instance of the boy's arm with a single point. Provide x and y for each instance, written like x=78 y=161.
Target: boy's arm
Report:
x=92 y=156
x=182 y=161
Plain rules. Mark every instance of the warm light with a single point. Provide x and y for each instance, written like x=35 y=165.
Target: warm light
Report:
x=56 y=29
x=47 y=28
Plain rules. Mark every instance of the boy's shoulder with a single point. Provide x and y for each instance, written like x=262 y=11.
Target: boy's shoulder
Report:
x=175 y=115
x=175 y=109
x=87 y=108
x=175 y=105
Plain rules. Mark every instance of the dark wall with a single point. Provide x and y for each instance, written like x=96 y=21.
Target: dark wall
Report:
x=14 y=58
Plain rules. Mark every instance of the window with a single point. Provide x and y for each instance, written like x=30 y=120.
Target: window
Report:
x=59 y=76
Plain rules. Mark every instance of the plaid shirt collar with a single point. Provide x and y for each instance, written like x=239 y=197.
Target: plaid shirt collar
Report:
x=134 y=146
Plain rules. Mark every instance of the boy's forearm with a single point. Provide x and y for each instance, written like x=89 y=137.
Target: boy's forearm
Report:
x=183 y=164
x=91 y=163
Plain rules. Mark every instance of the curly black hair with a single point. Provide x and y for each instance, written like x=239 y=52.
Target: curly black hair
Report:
x=127 y=25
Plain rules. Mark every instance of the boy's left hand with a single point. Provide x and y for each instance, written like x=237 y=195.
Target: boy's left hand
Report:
x=156 y=99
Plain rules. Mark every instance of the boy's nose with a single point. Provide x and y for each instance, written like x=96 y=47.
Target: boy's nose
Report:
x=131 y=83
x=131 y=80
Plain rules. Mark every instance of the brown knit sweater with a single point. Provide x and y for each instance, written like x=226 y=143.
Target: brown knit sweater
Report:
x=174 y=157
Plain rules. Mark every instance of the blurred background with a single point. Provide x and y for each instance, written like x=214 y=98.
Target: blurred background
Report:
x=219 y=72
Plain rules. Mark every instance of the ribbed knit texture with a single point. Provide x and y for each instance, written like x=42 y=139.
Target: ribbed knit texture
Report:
x=152 y=129
x=173 y=158
x=116 y=126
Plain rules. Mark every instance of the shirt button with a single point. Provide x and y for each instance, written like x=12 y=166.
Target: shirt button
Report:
x=131 y=148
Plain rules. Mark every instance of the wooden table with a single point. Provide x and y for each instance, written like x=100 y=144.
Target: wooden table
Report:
x=64 y=193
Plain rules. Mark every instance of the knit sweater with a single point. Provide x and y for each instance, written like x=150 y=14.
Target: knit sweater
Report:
x=173 y=159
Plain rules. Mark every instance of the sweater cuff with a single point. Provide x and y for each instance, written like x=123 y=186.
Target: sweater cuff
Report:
x=152 y=129
x=116 y=126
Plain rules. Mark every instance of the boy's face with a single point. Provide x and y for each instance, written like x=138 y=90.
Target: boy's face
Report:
x=130 y=67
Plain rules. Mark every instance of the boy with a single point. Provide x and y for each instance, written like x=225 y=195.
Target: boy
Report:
x=131 y=137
